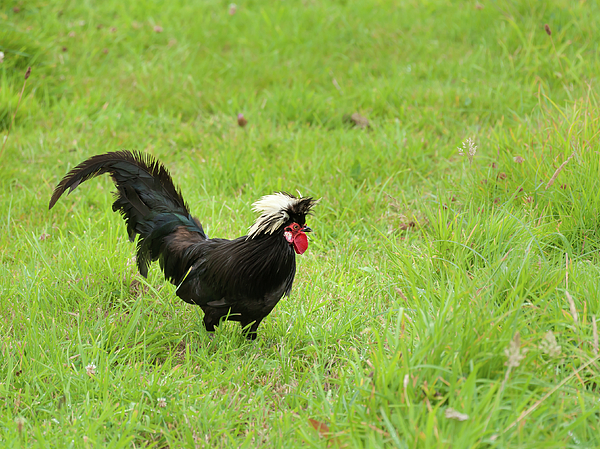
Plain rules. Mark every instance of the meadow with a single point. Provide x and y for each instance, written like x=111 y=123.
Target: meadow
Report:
x=446 y=299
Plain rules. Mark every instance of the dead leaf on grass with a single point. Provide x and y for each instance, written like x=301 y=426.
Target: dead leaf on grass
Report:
x=319 y=426
x=357 y=120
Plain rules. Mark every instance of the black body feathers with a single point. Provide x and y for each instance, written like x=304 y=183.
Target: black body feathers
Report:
x=241 y=279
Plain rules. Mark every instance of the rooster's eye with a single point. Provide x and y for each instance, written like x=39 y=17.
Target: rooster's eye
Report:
x=296 y=227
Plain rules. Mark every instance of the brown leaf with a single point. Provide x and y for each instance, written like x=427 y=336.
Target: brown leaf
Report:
x=319 y=426
x=359 y=121
x=406 y=226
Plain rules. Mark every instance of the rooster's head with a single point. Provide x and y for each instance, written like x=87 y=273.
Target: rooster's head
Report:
x=284 y=214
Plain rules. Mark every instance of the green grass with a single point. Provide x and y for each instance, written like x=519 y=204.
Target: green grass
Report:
x=422 y=269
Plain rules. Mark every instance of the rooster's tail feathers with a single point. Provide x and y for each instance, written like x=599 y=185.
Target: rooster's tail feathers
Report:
x=126 y=168
x=151 y=205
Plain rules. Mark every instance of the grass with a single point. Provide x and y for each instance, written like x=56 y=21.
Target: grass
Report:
x=431 y=285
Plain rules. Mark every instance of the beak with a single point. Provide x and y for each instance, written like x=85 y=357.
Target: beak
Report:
x=306 y=229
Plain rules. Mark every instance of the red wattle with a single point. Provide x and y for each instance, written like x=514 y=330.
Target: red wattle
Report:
x=300 y=242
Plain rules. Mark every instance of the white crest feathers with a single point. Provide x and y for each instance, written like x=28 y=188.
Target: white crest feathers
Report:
x=274 y=213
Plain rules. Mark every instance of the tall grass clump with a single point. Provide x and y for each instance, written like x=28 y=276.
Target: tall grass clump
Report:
x=495 y=314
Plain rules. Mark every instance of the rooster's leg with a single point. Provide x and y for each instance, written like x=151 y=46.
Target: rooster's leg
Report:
x=209 y=325
x=250 y=328
x=212 y=317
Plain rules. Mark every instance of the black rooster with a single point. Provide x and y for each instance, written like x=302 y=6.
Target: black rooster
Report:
x=240 y=280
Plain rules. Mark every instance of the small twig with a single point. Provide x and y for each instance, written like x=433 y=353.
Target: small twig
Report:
x=376 y=429
x=547 y=395
x=558 y=170
x=27 y=73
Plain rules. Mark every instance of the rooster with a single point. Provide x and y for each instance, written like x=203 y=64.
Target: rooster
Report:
x=238 y=280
